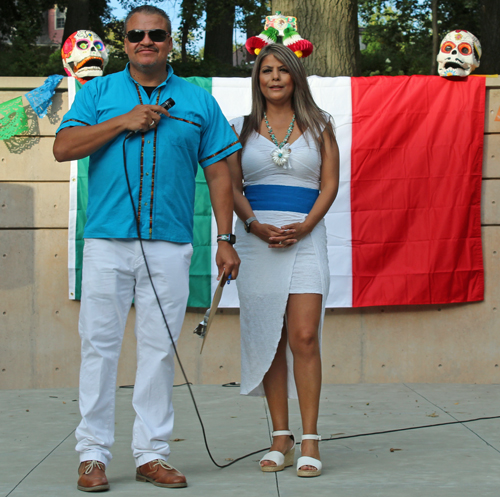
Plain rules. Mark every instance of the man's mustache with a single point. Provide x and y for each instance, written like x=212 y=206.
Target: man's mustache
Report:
x=149 y=49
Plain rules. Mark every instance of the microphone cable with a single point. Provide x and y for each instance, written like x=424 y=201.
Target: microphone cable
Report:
x=188 y=383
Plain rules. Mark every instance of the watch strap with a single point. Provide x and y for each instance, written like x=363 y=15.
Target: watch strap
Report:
x=227 y=237
x=248 y=222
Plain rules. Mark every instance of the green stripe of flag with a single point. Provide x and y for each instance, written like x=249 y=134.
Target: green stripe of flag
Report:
x=81 y=216
x=81 y=219
x=200 y=270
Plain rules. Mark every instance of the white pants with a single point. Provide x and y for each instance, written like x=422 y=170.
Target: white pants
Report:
x=114 y=273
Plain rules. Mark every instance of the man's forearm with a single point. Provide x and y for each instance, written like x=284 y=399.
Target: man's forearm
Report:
x=221 y=195
x=81 y=141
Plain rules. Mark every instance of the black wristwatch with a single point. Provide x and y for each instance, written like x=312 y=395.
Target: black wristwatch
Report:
x=248 y=222
x=229 y=237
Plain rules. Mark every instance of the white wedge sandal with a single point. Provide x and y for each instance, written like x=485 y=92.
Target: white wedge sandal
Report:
x=282 y=461
x=309 y=461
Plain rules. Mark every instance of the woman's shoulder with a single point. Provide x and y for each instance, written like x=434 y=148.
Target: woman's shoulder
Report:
x=237 y=122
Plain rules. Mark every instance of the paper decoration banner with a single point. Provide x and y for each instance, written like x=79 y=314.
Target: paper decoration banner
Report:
x=13 y=120
x=40 y=98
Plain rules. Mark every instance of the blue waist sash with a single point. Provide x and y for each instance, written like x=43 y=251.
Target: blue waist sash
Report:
x=281 y=198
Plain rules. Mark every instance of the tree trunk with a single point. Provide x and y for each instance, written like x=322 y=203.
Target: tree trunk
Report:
x=435 y=37
x=219 y=30
x=332 y=27
x=188 y=24
x=77 y=17
x=490 y=37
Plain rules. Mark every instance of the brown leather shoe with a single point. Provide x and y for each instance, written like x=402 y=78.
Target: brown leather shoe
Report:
x=92 y=477
x=161 y=474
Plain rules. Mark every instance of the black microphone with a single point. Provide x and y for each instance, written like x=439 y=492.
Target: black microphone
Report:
x=168 y=104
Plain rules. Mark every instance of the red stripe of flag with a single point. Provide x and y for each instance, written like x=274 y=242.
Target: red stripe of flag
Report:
x=417 y=148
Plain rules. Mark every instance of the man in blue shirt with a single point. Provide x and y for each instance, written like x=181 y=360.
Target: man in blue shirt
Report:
x=162 y=159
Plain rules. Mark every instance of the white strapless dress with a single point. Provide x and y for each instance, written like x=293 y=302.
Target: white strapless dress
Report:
x=267 y=276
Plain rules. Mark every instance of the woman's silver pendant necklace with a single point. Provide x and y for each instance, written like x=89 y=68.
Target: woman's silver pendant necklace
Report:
x=282 y=151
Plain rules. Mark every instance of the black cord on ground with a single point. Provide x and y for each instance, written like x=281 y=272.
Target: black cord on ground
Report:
x=359 y=435
x=410 y=428
x=132 y=386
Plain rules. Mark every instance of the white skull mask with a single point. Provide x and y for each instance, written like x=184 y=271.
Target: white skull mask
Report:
x=459 y=54
x=84 y=55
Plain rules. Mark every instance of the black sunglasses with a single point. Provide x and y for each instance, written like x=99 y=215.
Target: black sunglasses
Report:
x=156 y=35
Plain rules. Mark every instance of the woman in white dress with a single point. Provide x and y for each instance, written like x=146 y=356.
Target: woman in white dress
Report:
x=284 y=182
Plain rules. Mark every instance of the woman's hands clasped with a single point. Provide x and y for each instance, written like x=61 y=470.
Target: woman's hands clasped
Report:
x=280 y=237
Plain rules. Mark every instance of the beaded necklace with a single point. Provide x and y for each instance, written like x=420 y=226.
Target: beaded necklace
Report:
x=282 y=151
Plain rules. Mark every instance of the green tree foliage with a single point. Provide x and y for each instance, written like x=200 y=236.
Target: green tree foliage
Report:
x=27 y=12
x=86 y=14
x=223 y=16
x=490 y=36
x=21 y=22
x=398 y=33
x=191 y=13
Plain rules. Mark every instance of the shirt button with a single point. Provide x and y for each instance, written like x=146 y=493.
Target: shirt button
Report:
x=145 y=203
x=149 y=141
x=147 y=174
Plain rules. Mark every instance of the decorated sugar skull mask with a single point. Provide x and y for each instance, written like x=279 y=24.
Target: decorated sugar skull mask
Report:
x=84 y=56
x=459 y=54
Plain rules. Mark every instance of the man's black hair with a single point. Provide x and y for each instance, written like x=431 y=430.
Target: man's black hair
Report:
x=150 y=10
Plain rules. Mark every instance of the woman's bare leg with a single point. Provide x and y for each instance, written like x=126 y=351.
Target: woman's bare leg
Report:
x=303 y=318
x=275 y=387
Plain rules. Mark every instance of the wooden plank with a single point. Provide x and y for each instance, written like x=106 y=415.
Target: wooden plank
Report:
x=27 y=83
x=491 y=156
x=493 y=82
x=34 y=205
x=492 y=111
x=490 y=202
x=30 y=158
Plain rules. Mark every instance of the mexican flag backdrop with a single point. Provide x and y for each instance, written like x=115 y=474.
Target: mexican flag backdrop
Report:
x=405 y=227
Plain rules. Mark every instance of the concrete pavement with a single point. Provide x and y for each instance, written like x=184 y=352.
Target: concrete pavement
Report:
x=460 y=460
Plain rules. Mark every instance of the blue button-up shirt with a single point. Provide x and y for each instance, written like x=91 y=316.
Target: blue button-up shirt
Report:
x=161 y=163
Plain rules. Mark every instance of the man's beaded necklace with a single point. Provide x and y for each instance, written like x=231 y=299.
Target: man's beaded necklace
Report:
x=282 y=151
